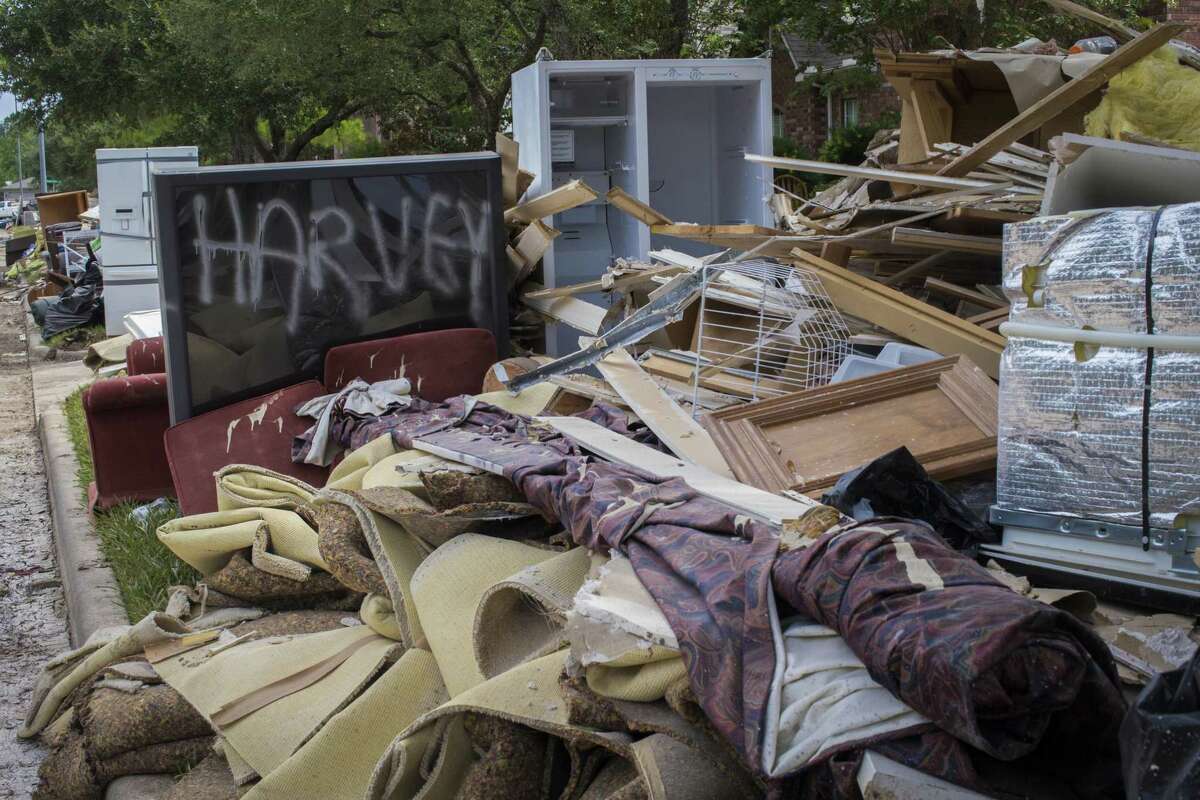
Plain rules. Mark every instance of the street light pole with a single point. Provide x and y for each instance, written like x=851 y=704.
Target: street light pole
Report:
x=42 y=157
x=20 y=160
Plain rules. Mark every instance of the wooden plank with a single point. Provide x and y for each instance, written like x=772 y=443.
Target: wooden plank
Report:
x=564 y=198
x=1063 y=98
x=918 y=268
x=836 y=253
x=684 y=372
x=509 y=154
x=616 y=284
x=986 y=319
x=525 y=179
x=636 y=208
x=958 y=242
x=532 y=243
x=944 y=412
x=692 y=230
x=670 y=423
x=963 y=293
x=620 y=449
x=977 y=221
x=870 y=173
x=579 y=314
x=934 y=116
x=906 y=316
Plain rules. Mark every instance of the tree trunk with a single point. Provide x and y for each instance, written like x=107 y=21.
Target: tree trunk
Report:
x=672 y=46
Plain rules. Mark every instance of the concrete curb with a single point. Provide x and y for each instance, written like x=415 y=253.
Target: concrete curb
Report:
x=93 y=600
x=38 y=352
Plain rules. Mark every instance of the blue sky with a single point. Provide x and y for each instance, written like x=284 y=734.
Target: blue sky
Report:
x=6 y=104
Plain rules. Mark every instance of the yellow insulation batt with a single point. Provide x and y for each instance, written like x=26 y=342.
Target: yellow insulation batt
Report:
x=1156 y=98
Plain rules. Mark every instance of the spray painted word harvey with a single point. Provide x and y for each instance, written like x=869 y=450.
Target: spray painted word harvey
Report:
x=442 y=248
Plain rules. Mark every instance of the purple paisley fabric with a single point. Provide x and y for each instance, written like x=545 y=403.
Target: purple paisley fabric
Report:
x=707 y=567
x=1004 y=673
x=1014 y=678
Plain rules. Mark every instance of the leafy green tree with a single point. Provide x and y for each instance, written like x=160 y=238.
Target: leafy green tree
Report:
x=857 y=27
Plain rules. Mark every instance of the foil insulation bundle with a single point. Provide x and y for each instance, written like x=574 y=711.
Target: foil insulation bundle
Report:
x=1072 y=417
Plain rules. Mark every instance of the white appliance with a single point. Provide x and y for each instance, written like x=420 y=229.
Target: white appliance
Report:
x=670 y=133
x=127 y=246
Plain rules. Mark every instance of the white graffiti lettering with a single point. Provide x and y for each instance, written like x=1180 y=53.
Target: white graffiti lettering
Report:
x=444 y=254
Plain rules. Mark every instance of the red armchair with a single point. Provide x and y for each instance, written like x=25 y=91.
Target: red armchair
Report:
x=126 y=418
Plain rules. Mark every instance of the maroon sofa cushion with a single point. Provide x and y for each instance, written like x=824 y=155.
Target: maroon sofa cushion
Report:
x=257 y=431
x=439 y=364
x=126 y=418
x=145 y=356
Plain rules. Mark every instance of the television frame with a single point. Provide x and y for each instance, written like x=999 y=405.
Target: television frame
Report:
x=168 y=181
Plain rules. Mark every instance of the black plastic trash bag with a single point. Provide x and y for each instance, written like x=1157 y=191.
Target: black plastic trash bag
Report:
x=896 y=485
x=81 y=303
x=1160 y=737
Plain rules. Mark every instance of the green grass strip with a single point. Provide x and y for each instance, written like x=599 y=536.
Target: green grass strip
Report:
x=143 y=567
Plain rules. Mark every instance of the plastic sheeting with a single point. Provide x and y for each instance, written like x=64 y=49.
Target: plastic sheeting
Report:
x=1071 y=430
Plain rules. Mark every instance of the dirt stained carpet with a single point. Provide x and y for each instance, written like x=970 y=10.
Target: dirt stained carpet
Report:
x=32 y=608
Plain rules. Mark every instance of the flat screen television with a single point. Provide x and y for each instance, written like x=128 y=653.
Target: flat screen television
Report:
x=264 y=267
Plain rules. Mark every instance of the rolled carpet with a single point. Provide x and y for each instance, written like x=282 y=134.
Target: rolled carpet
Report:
x=1002 y=672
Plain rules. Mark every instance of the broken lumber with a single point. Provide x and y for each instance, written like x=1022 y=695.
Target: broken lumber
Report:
x=605 y=284
x=958 y=242
x=870 y=173
x=564 y=198
x=963 y=293
x=918 y=268
x=670 y=423
x=579 y=314
x=532 y=243
x=906 y=316
x=509 y=154
x=635 y=208
x=1062 y=98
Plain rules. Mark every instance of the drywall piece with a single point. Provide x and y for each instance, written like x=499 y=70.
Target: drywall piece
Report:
x=905 y=316
x=579 y=314
x=881 y=778
x=935 y=240
x=668 y=256
x=1063 y=98
x=621 y=199
x=870 y=173
x=746 y=499
x=532 y=243
x=1112 y=174
x=564 y=198
x=943 y=411
x=670 y=423
x=509 y=155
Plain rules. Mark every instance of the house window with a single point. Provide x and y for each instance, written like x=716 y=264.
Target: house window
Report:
x=849 y=112
x=777 y=124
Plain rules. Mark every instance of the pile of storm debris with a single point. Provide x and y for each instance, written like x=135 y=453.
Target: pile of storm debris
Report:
x=706 y=554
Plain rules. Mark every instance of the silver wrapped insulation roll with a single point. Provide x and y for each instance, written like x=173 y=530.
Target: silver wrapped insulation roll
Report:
x=1071 y=430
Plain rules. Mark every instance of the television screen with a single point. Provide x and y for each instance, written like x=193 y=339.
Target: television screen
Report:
x=264 y=267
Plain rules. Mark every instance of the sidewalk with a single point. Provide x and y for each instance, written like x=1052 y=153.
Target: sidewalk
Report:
x=91 y=590
x=32 y=624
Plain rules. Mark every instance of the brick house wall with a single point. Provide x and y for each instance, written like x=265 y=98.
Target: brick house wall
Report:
x=1187 y=11
x=804 y=112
